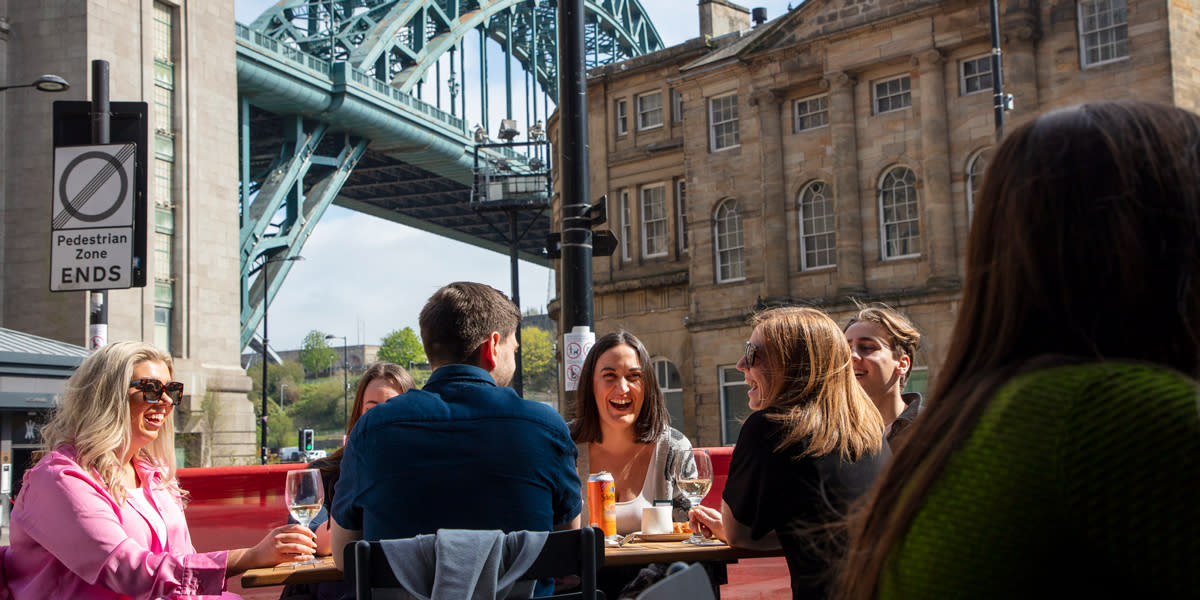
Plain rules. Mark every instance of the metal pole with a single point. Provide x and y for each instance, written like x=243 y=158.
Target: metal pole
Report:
x=266 y=304
x=98 y=300
x=997 y=73
x=517 y=383
x=573 y=157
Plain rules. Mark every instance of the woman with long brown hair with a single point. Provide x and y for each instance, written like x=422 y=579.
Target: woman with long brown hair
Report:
x=1061 y=444
x=813 y=444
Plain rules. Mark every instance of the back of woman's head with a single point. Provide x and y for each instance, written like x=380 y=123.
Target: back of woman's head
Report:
x=93 y=411
x=811 y=378
x=1085 y=244
x=1085 y=239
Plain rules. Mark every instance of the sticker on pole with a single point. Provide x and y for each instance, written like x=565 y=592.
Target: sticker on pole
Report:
x=576 y=346
x=91 y=229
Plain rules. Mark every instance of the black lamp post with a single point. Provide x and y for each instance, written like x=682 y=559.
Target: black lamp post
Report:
x=45 y=83
x=345 y=380
x=267 y=259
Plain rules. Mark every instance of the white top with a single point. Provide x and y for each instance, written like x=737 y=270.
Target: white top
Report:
x=629 y=513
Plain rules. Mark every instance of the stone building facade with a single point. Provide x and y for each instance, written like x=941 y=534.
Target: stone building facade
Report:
x=830 y=156
x=178 y=57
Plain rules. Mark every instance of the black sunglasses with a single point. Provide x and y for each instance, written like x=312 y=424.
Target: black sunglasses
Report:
x=751 y=353
x=152 y=390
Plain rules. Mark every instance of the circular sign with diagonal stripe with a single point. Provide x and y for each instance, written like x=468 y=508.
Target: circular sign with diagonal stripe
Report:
x=93 y=186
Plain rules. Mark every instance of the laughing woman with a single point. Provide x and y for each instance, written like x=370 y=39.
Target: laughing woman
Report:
x=623 y=428
x=100 y=516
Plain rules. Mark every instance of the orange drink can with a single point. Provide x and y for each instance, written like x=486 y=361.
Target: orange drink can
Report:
x=602 y=502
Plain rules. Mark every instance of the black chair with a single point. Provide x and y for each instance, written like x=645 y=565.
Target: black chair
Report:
x=571 y=552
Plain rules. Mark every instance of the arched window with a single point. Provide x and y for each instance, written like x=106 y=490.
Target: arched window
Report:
x=899 y=215
x=975 y=169
x=671 y=386
x=818 y=238
x=727 y=233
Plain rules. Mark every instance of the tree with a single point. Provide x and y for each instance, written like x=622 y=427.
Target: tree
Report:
x=315 y=354
x=402 y=346
x=538 y=368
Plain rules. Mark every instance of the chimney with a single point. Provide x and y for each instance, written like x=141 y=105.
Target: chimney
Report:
x=759 y=16
x=719 y=17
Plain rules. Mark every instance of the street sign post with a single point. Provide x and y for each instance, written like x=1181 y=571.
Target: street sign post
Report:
x=91 y=233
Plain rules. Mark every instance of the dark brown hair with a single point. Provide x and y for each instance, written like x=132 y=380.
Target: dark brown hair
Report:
x=1083 y=247
x=460 y=316
x=653 y=418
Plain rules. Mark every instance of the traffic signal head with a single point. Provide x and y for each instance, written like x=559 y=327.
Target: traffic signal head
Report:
x=306 y=440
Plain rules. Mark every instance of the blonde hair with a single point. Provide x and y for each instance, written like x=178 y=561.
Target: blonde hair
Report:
x=812 y=379
x=93 y=416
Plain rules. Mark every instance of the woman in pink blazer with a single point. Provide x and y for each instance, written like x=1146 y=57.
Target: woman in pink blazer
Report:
x=101 y=514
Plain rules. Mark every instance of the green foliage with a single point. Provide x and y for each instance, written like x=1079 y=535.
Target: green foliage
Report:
x=538 y=368
x=315 y=353
x=402 y=346
x=320 y=406
x=290 y=373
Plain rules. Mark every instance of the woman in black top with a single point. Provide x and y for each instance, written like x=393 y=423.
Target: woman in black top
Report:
x=812 y=445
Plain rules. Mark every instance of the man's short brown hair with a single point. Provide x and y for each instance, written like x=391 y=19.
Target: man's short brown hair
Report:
x=460 y=316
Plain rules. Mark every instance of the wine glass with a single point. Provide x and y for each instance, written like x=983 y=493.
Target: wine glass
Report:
x=304 y=494
x=693 y=473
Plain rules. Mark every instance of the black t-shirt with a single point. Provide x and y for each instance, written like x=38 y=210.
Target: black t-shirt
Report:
x=798 y=498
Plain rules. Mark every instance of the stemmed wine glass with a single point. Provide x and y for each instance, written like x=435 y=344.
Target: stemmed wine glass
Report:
x=693 y=473
x=304 y=494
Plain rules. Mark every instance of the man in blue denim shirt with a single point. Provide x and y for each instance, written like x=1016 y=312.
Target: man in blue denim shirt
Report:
x=464 y=452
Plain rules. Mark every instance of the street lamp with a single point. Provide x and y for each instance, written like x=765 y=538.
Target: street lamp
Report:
x=45 y=83
x=282 y=394
x=345 y=381
x=267 y=259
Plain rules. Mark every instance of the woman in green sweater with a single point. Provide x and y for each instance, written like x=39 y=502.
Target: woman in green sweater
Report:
x=1060 y=450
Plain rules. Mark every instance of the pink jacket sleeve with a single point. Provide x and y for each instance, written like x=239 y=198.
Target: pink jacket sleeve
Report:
x=81 y=525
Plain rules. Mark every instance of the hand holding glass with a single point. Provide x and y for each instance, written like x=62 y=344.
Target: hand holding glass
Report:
x=304 y=494
x=693 y=473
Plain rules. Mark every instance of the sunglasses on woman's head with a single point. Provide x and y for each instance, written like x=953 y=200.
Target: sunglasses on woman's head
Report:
x=751 y=353
x=152 y=390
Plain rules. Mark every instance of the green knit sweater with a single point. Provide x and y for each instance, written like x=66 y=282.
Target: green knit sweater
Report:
x=1078 y=481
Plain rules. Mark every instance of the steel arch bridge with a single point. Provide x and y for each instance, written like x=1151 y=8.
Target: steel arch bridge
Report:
x=335 y=107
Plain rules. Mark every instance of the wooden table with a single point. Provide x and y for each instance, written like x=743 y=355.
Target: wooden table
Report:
x=637 y=553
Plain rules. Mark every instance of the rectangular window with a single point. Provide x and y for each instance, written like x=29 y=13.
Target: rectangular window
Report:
x=164 y=172
x=735 y=403
x=681 y=226
x=622 y=126
x=654 y=221
x=649 y=108
x=1103 y=32
x=818 y=238
x=811 y=113
x=676 y=106
x=723 y=122
x=892 y=94
x=626 y=226
x=975 y=75
x=162 y=327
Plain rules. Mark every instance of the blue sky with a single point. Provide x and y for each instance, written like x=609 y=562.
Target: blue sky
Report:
x=363 y=277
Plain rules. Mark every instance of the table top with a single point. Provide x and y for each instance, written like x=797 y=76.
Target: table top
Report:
x=636 y=553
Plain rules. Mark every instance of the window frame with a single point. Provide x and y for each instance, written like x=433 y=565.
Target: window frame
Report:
x=1082 y=35
x=626 y=225
x=723 y=401
x=681 y=224
x=622 y=112
x=731 y=204
x=986 y=59
x=641 y=113
x=970 y=177
x=805 y=235
x=713 y=124
x=883 y=224
x=676 y=106
x=646 y=221
x=797 y=117
x=907 y=91
x=663 y=377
